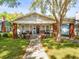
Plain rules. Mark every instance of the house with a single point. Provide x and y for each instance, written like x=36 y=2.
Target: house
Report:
x=7 y=26
x=38 y=22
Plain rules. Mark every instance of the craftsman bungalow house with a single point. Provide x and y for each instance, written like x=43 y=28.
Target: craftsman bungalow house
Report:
x=40 y=23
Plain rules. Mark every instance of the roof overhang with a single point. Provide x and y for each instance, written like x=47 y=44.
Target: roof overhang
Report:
x=33 y=22
x=48 y=20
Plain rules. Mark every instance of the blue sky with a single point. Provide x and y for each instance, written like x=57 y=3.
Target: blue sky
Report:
x=25 y=4
x=23 y=7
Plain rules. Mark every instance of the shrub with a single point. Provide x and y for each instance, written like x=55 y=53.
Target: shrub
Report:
x=76 y=37
x=0 y=35
x=5 y=35
x=70 y=57
x=66 y=41
x=52 y=57
x=10 y=34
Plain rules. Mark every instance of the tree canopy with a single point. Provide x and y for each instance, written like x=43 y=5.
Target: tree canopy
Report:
x=10 y=16
x=57 y=8
x=10 y=3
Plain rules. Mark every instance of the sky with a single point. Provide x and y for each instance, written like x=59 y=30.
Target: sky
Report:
x=25 y=4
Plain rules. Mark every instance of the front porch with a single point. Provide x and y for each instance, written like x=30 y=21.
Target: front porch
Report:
x=34 y=30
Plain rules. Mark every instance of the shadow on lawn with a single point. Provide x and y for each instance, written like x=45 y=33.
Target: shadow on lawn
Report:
x=66 y=45
x=70 y=57
x=12 y=53
x=52 y=57
x=12 y=49
x=50 y=43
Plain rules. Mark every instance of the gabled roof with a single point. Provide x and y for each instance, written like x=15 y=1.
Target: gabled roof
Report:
x=28 y=15
x=66 y=20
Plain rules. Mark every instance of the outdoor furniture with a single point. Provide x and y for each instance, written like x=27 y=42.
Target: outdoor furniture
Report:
x=28 y=36
x=42 y=35
x=47 y=34
x=24 y=35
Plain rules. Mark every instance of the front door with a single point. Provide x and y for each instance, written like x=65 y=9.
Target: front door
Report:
x=37 y=29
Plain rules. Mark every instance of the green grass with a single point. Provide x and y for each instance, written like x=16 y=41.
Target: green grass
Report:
x=12 y=49
x=15 y=49
x=64 y=50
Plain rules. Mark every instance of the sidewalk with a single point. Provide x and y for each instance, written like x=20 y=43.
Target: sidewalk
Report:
x=35 y=50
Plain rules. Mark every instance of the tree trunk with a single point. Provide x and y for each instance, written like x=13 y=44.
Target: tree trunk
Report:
x=58 y=37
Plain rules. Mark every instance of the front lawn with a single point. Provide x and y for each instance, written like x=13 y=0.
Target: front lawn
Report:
x=12 y=49
x=15 y=49
x=64 y=50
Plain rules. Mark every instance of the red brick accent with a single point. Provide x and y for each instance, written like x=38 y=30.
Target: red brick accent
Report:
x=14 y=30
x=55 y=29
x=71 y=30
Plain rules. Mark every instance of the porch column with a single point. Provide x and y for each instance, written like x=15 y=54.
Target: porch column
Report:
x=71 y=30
x=54 y=29
x=14 y=30
x=3 y=24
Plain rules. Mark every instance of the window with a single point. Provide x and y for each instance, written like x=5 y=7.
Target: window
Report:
x=65 y=29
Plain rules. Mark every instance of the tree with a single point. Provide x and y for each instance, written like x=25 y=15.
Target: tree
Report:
x=58 y=8
x=10 y=16
x=10 y=3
